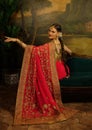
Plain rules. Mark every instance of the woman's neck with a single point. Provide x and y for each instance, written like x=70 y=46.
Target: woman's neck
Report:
x=56 y=41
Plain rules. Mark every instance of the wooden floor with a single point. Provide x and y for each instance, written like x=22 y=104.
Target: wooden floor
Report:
x=81 y=121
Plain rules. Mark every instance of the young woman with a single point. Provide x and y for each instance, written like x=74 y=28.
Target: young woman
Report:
x=55 y=34
x=39 y=97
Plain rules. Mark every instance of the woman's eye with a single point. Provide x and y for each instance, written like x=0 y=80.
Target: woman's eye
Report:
x=53 y=31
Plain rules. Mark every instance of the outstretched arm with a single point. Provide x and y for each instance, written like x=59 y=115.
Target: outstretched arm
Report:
x=10 y=39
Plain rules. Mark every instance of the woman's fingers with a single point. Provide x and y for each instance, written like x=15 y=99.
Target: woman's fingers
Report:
x=9 y=39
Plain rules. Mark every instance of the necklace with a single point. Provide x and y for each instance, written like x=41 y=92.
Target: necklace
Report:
x=57 y=47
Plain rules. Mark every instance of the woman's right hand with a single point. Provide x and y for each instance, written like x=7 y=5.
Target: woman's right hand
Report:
x=10 y=39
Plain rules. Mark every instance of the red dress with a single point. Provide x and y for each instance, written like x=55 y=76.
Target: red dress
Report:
x=39 y=96
x=61 y=69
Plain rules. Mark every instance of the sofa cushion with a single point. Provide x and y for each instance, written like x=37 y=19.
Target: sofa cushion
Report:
x=79 y=64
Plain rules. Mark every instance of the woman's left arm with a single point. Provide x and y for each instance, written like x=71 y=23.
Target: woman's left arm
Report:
x=67 y=50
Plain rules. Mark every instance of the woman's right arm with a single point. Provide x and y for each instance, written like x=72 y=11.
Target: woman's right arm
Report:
x=10 y=39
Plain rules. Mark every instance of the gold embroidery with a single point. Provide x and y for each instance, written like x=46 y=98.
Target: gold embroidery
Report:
x=45 y=106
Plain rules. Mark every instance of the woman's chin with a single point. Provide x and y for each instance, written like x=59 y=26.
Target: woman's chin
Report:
x=50 y=38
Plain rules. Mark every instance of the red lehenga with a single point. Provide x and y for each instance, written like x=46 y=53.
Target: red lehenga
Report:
x=39 y=96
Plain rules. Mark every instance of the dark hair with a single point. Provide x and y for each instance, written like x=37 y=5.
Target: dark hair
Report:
x=59 y=29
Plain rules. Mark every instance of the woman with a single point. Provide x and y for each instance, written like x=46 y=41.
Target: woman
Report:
x=39 y=97
x=55 y=34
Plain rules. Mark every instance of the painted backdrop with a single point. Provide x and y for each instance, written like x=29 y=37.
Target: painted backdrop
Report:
x=75 y=16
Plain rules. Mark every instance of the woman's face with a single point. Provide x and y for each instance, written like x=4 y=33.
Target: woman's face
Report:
x=52 y=33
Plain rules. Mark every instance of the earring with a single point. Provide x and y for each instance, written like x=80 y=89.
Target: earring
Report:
x=60 y=34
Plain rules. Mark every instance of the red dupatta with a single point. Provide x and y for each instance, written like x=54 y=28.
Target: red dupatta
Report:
x=39 y=96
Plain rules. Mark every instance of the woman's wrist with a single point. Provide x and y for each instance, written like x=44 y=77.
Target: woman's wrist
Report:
x=17 y=40
x=22 y=44
x=71 y=53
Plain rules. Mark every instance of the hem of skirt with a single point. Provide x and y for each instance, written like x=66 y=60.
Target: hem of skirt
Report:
x=46 y=120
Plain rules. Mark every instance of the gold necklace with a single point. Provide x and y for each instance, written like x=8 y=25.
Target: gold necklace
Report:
x=57 y=47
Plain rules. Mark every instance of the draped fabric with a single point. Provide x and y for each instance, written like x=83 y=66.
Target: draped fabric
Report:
x=39 y=96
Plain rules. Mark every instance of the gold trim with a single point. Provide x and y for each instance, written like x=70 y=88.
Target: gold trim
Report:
x=21 y=87
x=56 y=85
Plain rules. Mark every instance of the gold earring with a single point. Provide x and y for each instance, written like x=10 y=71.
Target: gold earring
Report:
x=60 y=34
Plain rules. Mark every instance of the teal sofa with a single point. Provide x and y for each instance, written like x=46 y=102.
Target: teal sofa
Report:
x=80 y=72
x=79 y=85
